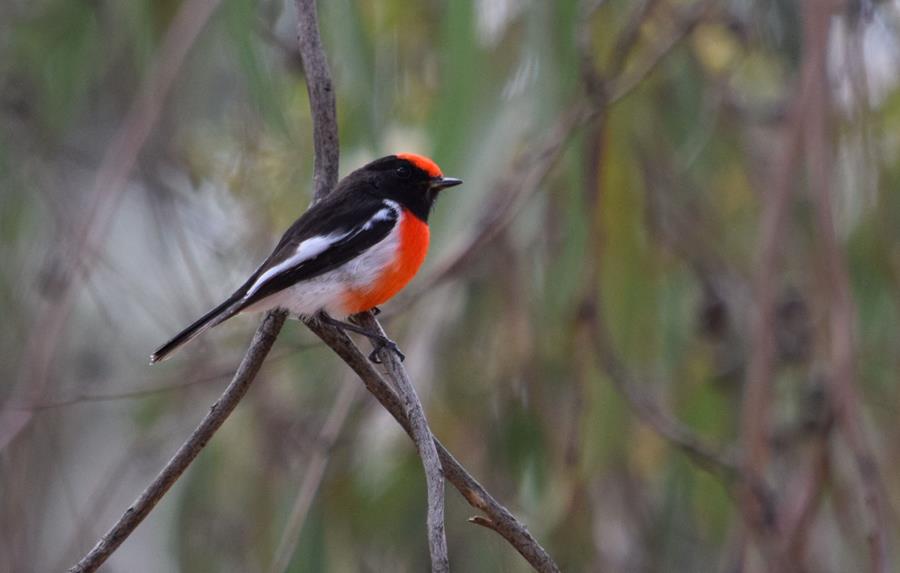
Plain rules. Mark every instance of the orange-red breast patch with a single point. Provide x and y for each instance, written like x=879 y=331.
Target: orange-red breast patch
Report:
x=411 y=251
x=423 y=163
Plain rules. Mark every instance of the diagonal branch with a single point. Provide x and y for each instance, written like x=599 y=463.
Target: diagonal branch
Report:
x=503 y=522
x=723 y=464
x=424 y=440
x=646 y=408
x=218 y=413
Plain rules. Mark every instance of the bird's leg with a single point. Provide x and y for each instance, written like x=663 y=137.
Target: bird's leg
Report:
x=378 y=341
x=376 y=311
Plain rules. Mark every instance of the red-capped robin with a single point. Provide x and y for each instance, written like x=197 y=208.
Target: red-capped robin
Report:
x=349 y=253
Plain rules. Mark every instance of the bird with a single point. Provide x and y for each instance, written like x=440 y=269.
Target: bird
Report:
x=348 y=253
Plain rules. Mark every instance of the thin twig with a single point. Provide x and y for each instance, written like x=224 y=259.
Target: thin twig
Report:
x=482 y=521
x=218 y=413
x=506 y=523
x=291 y=351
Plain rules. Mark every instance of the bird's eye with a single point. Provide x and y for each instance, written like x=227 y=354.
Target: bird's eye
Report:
x=403 y=172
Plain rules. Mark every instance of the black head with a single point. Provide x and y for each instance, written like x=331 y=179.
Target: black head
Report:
x=412 y=180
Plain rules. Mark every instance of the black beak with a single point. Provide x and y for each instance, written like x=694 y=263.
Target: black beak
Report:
x=445 y=182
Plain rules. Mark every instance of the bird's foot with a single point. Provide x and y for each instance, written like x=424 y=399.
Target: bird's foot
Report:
x=383 y=343
x=379 y=341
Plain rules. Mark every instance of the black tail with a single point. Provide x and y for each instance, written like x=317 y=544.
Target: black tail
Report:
x=216 y=316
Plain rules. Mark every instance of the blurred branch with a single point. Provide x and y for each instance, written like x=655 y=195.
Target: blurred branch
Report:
x=625 y=43
x=505 y=523
x=757 y=392
x=805 y=499
x=841 y=308
x=111 y=397
x=260 y=345
x=809 y=124
x=645 y=408
x=155 y=390
x=614 y=84
x=109 y=185
x=315 y=471
x=623 y=83
x=605 y=90
x=628 y=38
x=721 y=464
x=590 y=313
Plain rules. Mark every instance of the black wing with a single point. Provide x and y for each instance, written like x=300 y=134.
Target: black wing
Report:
x=307 y=252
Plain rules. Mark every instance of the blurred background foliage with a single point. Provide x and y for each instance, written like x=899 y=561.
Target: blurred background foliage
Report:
x=652 y=212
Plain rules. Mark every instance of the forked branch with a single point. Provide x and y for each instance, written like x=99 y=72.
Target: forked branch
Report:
x=406 y=407
x=503 y=522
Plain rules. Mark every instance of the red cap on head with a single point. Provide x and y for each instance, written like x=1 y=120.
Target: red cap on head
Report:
x=423 y=163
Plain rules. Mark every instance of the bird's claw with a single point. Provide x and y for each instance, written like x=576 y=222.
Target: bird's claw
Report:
x=385 y=343
x=379 y=341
